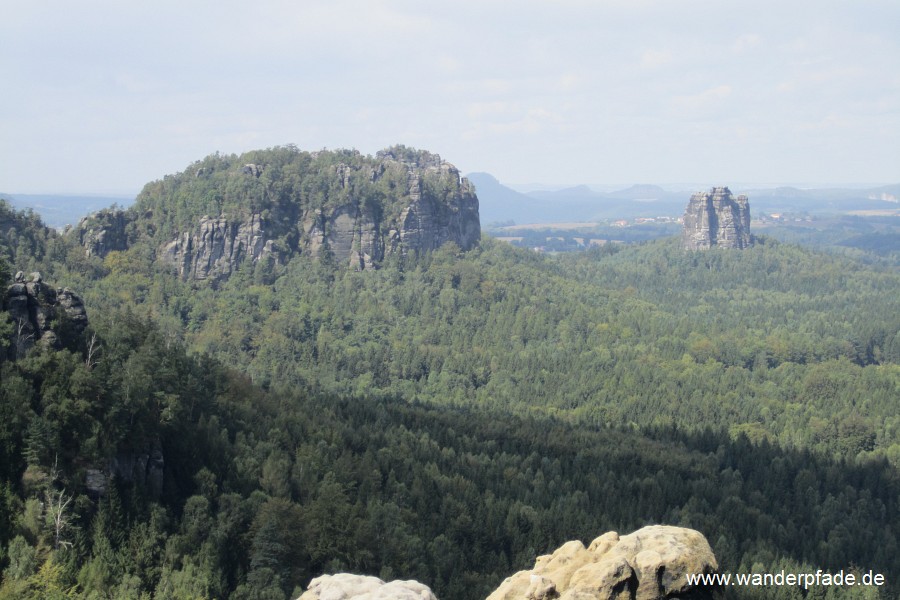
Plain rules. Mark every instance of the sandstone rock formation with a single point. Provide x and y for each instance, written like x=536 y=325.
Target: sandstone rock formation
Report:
x=345 y=586
x=433 y=206
x=217 y=247
x=41 y=314
x=649 y=564
x=717 y=218
x=103 y=232
x=356 y=210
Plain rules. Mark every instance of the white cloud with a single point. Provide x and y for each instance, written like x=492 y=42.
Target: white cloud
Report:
x=745 y=42
x=654 y=59
x=146 y=88
x=511 y=121
x=702 y=102
x=478 y=110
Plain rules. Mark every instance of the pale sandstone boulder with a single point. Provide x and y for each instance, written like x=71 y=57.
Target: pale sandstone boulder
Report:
x=345 y=586
x=649 y=564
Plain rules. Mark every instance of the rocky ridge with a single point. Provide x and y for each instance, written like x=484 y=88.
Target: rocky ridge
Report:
x=356 y=210
x=717 y=218
x=41 y=314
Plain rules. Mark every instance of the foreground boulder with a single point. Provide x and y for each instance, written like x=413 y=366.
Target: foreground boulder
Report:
x=650 y=564
x=345 y=586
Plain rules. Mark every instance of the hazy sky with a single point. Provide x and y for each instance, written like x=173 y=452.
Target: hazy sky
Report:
x=103 y=96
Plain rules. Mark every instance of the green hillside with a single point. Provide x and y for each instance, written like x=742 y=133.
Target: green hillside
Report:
x=446 y=416
x=783 y=343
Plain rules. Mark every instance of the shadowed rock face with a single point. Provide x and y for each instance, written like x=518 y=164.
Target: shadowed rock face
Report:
x=103 y=232
x=41 y=314
x=717 y=218
x=649 y=564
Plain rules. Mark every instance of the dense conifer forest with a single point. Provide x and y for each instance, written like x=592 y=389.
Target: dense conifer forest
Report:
x=447 y=417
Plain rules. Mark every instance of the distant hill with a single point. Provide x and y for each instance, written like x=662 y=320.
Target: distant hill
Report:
x=499 y=203
x=496 y=202
x=580 y=203
x=266 y=206
x=834 y=200
x=59 y=210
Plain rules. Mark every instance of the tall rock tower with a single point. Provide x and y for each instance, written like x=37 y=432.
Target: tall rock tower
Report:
x=717 y=218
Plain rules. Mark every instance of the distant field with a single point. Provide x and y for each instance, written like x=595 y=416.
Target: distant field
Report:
x=557 y=226
x=885 y=212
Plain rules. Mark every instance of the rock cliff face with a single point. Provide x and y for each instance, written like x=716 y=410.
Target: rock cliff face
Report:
x=217 y=247
x=717 y=218
x=436 y=206
x=41 y=314
x=649 y=564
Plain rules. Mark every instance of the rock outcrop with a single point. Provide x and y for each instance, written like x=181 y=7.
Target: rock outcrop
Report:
x=41 y=314
x=144 y=466
x=717 y=218
x=345 y=586
x=650 y=564
x=103 y=232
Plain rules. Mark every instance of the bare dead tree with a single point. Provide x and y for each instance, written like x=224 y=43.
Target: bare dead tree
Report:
x=55 y=504
x=23 y=339
x=92 y=350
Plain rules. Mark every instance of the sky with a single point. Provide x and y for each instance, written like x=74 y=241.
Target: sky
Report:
x=103 y=96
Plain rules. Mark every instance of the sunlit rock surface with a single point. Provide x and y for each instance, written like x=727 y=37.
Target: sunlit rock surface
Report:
x=650 y=564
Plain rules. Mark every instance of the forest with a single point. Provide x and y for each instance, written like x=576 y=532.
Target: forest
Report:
x=446 y=417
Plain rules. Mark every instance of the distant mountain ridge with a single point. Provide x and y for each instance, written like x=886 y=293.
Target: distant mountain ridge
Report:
x=500 y=203
x=59 y=210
